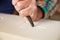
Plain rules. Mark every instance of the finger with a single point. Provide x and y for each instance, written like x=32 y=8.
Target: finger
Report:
x=19 y=5
x=33 y=2
x=14 y=2
x=16 y=8
x=25 y=12
x=23 y=4
x=28 y=11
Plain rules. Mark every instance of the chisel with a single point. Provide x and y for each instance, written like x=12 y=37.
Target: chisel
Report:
x=30 y=20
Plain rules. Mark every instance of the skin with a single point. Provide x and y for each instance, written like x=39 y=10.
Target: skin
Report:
x=28 y=8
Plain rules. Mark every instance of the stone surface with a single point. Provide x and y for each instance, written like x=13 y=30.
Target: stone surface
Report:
x=44 y=29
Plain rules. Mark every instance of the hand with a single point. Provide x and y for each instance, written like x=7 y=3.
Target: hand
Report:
x=28 y=8
x=20 y=4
